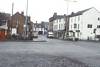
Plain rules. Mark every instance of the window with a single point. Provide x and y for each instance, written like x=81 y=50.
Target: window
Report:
x=75 y=25
x=62 y=26
x=98 y=18
x=78 y=26
x=94 y=31
x=89 y=25
x=59 y=26
x=2 y=22
x=98 y=26
x=78 y=18
x=59 y=20
x=75 y=19
x=71 y=26
x=71 y=20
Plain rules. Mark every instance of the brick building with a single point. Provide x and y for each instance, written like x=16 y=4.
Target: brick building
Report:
x=17 y=25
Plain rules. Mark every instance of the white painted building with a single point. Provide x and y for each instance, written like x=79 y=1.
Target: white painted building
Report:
x=85 y=24
x=58 y=25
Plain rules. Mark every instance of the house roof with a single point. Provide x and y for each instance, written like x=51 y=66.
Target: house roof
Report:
x=79 y=12
x=56 y=17
x=17 y=13
x=4 y=16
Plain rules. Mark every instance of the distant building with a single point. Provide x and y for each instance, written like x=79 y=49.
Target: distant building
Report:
x=85 y=24
x=41 y=28
x=17 y=25
x=4 y=21
x=57 y=24
x=45 y=26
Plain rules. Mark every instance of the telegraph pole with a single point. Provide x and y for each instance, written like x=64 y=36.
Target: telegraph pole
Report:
x=11 y=18
x=67 y=18
x=26 y=20
x=12 y=8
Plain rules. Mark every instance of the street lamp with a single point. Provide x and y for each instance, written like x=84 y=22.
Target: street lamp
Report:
x=67 y=18
x=26 y=19
x=67 y=1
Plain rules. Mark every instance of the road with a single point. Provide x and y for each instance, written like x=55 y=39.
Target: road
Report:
x=52 y=53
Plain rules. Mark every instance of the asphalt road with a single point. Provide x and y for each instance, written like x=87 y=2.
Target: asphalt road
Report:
x=53 y=53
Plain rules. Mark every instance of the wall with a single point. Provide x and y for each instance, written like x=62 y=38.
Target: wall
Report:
x=17 y=22
x=89 y=17
x=59 y=24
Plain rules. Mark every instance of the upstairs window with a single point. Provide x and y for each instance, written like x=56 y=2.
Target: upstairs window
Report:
x=71 y=19
x=98 y=18
x=75 y=25
x=2 y=22
x=98 y=26
x=89 y=25
x=78 y=26
x=59 y=20
x=78 y=18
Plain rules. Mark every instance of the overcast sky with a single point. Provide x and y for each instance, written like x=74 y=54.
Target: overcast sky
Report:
x=42 y=10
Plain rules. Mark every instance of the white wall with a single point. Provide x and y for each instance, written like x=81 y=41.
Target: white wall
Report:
x=89 y=17
x=59 y=24
x=75 y=20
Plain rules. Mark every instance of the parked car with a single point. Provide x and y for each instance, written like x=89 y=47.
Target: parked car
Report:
x=35 y=34
x=50 y=35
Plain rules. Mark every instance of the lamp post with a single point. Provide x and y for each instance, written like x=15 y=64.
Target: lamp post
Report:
x=67 y=2
x=67 y=18
x=26 y=19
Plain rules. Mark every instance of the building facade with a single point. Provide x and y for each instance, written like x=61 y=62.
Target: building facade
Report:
x=85 y=25
x=18 y=26
x=57 y=24
x=4 y=21
x=41 y=28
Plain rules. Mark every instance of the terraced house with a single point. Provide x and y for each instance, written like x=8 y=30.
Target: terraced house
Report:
x=17 y=25
x=85 y=24
x=82 y=25
x=58 y=24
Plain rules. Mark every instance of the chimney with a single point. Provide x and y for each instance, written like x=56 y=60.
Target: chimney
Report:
x=22 y=13
x=72 y=13
x=55 y=14
x=64 y=15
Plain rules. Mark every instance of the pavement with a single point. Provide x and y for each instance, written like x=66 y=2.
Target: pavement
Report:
x=53 y=53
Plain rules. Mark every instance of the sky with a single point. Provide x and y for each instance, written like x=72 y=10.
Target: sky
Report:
x=42 y=10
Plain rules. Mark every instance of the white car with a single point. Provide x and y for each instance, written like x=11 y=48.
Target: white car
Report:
x=50 y=35
x=35 y=34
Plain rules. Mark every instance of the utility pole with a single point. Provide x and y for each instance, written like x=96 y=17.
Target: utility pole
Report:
x=12 y=8
x=67 y=17
x=67 y=2
x=11 y=19
x=26 y=20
